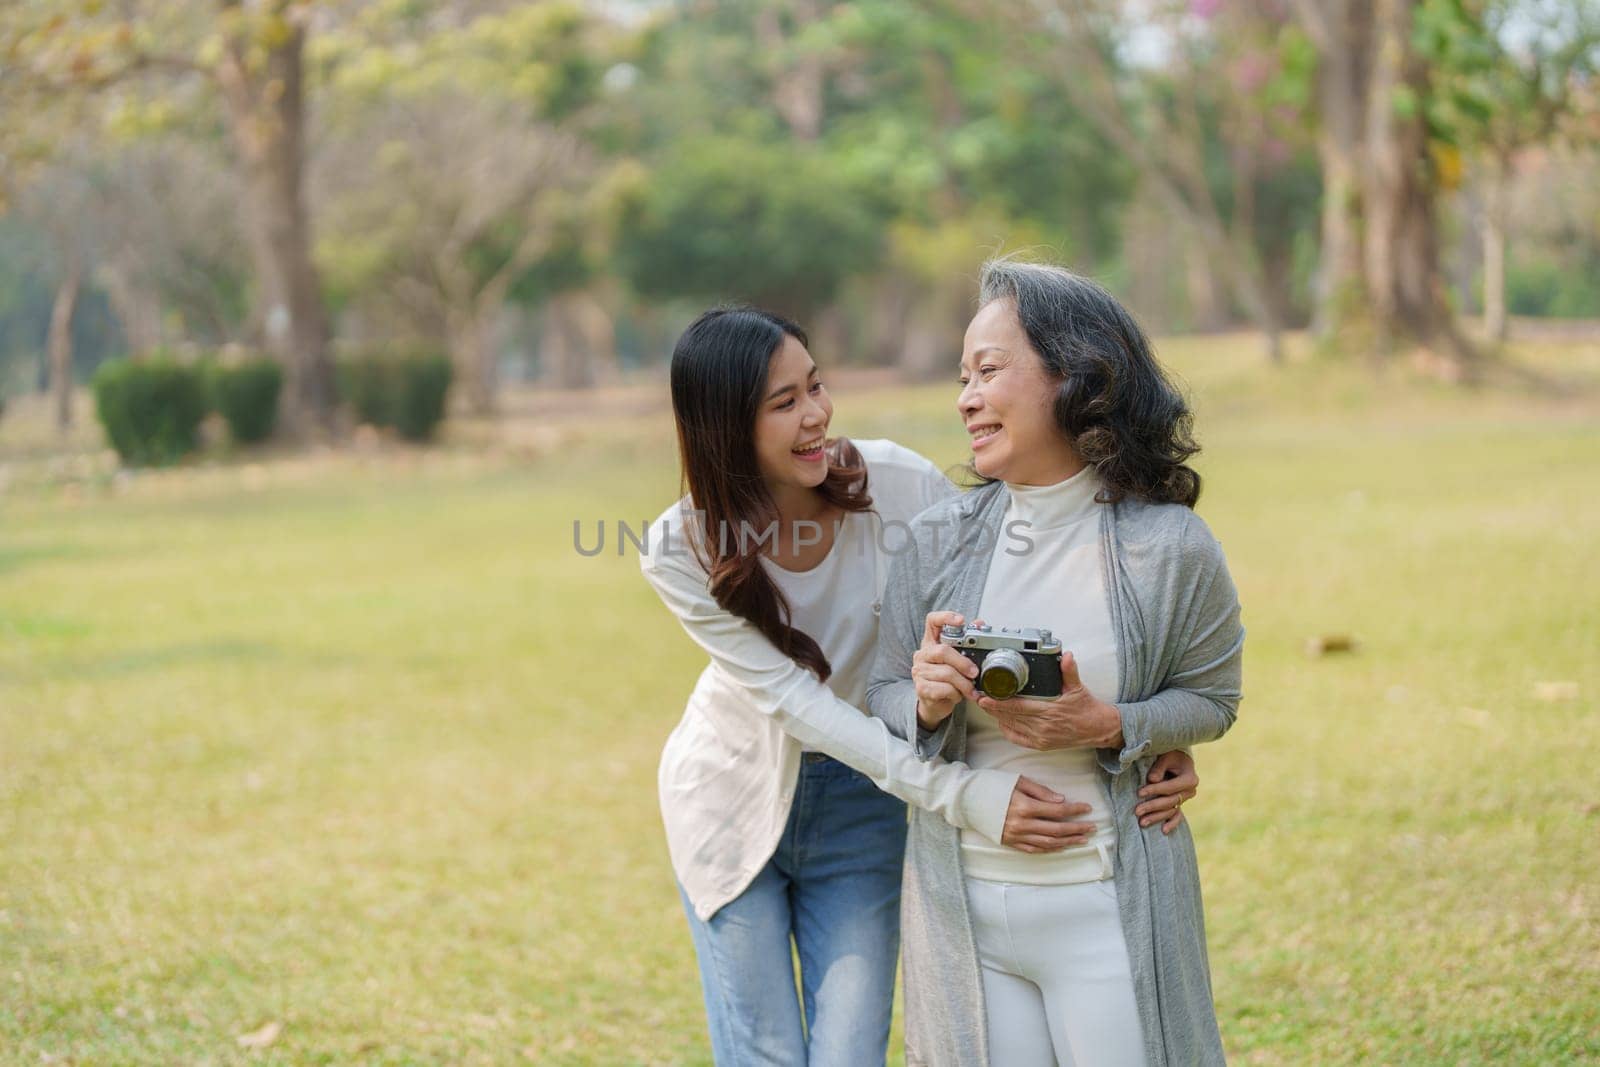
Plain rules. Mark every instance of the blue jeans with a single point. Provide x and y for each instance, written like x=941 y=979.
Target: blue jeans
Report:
x=833 y=887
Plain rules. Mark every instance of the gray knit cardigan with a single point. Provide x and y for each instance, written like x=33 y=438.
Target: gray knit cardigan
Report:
x=1176 y=615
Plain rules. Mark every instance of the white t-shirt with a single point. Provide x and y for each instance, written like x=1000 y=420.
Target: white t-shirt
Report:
x=836 y=602
x=1058 y=584
x=729 y=769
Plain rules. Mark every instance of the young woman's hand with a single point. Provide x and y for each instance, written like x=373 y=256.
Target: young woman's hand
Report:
x=1039 y=820
x=1075 y=719
x=1173 y=780
x=942 y=675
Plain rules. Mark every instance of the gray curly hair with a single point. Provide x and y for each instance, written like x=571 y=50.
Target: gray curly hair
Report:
x=1116 y=404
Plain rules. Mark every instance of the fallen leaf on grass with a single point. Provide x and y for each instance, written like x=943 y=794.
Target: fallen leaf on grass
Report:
x=1325 y=644
x=1555 y=692
x=261 y=1038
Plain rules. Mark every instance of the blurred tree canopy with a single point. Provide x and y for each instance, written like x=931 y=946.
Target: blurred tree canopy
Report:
x=525 y=183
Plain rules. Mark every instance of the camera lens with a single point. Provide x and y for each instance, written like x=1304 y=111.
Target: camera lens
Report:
x=1004 y=673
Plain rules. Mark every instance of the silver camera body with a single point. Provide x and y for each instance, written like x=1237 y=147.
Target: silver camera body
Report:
x=1012 y=662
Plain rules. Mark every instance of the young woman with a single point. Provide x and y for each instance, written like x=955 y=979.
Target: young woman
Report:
x=777 y=791
x=1093 y=954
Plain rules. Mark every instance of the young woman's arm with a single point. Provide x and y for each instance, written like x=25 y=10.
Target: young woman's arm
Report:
x=808 y=711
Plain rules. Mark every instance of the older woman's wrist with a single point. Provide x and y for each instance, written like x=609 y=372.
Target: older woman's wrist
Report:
x=1109 y=717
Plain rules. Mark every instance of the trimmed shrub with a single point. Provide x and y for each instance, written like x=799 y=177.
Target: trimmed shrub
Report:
x=151 y=408
x=424 y=385
x=365 y=382
x=403 y=390
x=247 y=397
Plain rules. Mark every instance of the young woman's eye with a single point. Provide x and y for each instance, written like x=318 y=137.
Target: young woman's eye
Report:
x=785 y=406
x=816 y=386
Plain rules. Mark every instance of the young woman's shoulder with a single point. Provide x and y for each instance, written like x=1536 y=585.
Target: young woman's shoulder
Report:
x=667 y=547
x=902 y=482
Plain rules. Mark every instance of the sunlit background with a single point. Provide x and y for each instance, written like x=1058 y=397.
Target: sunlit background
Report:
x=323 y=323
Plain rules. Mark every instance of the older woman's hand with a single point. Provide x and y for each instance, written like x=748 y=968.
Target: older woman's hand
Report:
x=1172 y=780
x=942 y=675
x=1075 y=719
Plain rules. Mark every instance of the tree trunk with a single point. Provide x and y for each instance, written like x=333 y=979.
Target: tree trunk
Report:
x=60 y=344
x=562 y=354
x=266 y=111
x=578 y=342
x=1344 y=38
x=831 y=343
x=890 y=314
x=598 y=333
x=1208 y=298
x=1173 y=160
x=1404 y=280
x=1271 y=324
x=1495 y=213
x=474 y=356
x=933 y=316
x=137 y=309
x=798 y=84
x=1236 y=258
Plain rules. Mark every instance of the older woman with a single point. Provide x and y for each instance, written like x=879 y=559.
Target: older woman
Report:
x=1094 y=954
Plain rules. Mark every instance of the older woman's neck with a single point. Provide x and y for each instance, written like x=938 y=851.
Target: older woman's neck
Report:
x=1045 y=470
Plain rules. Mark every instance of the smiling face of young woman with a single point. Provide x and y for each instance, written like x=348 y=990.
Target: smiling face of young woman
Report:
x=1007 y=403
x=792 y=422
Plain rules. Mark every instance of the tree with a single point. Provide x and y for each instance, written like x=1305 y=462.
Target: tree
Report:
x=61 y=200
x=1342 y=32
x=1371 y=67
x=1405 y=284
x=908 y=114
x=252 y=56
x=1507 y=76
x=41 y=172
x=174 y=255
x=1164 y=119
x=773 y=224
x=478 y=131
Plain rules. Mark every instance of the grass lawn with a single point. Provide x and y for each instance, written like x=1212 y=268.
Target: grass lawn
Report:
x=362 y=747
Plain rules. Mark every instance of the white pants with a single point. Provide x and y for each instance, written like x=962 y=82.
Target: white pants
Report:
x=1056 y=981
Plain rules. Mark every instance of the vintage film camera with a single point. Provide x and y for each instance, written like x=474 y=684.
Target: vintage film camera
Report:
x=1021 y=662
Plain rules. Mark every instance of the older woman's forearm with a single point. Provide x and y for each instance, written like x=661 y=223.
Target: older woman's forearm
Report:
x=894 y=700
x=1172 y=719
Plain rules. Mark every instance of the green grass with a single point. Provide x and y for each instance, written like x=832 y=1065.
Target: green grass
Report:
x=367 y=749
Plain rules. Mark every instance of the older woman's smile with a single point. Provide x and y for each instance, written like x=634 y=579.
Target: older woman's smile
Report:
x=983 y=434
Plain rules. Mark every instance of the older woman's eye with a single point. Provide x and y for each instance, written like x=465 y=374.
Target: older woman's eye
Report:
x=987 y=372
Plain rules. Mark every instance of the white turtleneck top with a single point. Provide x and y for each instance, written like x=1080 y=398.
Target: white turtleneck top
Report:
x=1057 y=585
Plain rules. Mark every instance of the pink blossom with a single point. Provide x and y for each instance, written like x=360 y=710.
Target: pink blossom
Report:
x=1252 y=71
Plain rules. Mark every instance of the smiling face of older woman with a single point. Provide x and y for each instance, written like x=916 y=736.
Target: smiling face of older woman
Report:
x=1007 y=403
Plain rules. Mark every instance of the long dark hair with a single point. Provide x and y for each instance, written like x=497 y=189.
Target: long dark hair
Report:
x=719 y=377
x=1115 y=403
